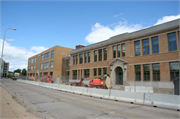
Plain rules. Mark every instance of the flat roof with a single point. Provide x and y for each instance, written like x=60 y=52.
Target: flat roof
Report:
x=132 y=35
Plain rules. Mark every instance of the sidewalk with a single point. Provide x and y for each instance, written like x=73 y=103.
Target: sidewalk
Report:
x=11 y=109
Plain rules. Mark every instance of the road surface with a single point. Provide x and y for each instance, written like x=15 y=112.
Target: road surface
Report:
x=53 y=104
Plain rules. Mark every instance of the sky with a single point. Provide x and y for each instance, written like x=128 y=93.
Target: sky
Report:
x=44 y=24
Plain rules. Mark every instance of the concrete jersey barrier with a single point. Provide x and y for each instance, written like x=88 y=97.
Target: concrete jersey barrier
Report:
x=125 y=96
x=100 y=93
x=79 y=90
x=162 y=100
x=142 y=89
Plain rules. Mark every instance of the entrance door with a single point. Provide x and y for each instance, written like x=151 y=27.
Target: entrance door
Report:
x=119 y=76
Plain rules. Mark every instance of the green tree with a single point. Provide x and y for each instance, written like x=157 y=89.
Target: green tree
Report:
x=17 y=71
x=24 y=72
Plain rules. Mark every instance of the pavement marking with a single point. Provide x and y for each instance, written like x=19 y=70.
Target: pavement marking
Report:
x=105 y=110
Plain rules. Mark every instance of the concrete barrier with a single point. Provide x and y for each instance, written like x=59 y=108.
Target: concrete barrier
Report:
x=162 y=100
x=99 y=93
x=55 y=86
x=65 y=88
x=125 y=96
x=79 y=90
x=142 y=89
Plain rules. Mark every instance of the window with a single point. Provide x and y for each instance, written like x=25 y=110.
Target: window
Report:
x=34 y=67
x=29 y=61
x=146 y=46
x=46 y=65
x=51 y=73
x=31 y=68
x=28 y=68
x=114 y=51
x=155 y=45
x=46 y=56
x=40 y=74
x=80 y=58
x=34 y=60
x=86 y=73
x=138 y=72
x=118 y=50
x=156 y=72
x=95 y=72
x=95 y=55
x=123 y=50
x=51 y=65
x=174 y=70
x=42 y=56
x=172 y=41
x=100 y=54
x=137 y=48
x=74 y=58
x=146 y=72
x=85 y=57
x=74 y=74
x=45 y=73
x=89 y=57
x=41 y=66
x=104 y=70
x=52 y=54
x=99 y=71
x=105 y=53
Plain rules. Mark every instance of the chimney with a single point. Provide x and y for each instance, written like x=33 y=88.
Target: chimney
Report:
x=79 y=46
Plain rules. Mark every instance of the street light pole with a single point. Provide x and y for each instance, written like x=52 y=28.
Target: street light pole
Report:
x=3 y=48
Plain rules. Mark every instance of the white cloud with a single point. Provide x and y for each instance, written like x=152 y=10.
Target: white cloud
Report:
x=18 y=56
x=10 y=39
x=100 y=32
x=115 y=16
x=167 y=19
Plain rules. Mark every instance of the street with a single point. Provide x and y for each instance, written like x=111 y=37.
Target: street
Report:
x=49 y=104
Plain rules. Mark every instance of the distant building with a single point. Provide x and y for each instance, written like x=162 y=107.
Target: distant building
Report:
x=5 y=69
x=149 y=57
x=48 y=62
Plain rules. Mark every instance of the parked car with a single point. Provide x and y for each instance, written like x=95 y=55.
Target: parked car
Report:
x=14 y=78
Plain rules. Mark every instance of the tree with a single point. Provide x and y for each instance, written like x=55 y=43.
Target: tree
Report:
x=24 y=72
x=17 y=71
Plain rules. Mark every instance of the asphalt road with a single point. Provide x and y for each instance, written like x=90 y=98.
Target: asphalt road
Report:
x=49 y=104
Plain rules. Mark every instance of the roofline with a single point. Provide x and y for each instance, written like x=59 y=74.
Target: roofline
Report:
x=132 y=35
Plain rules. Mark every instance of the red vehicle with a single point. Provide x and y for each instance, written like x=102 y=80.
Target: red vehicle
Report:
x=93 y=82
x=32 y=78
x=47 y=79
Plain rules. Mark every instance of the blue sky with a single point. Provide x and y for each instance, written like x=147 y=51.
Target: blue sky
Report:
x=44 y=24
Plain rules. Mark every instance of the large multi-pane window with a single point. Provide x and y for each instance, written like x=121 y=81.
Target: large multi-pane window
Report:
x=46 y=56
x=114 y=51
x=42 y=57
x=172 y=41
x=52 y=54
x=146 y=46
x=174 y=70
x=74 y=74
x=85 y=57
x=156 y=72
x=155 y=45
x=34 y=67
x=105 y=70
x=138 y=72
x=76 y=59
x=146 y=68
x=123 y=50
x=105 y=53
x=118 y=50
x=89 y=57
x=34 y=60
x=100 y=54
x=80 y=58
x=99 y=71
x=137 y=48
x=31 y=68
x=95 y=71
x=86 y=73
x=46 y=65
x=95 y=55
x=29 y=61
x=41 y=66
x=51 y=64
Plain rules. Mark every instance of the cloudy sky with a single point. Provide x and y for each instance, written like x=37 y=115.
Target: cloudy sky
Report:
x=43 y=24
